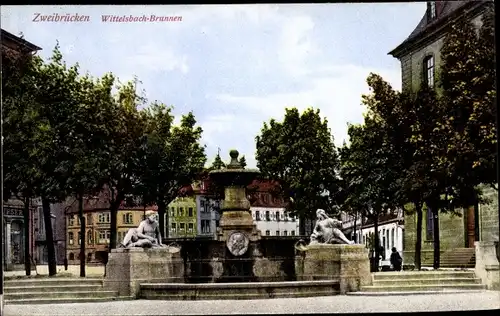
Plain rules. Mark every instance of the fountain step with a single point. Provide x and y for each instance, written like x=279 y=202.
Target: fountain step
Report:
x=250 y=290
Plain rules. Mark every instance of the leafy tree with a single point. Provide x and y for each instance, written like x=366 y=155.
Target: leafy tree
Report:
x=468 y=95
x=172 y=157
x=18 y=75
x=300 y=153
x=125 y=136
x=88 y=140
x=243 y=161
x=217 y=163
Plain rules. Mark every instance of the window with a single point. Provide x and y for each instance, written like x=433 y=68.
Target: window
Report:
x=71 y=220
x=268 y=233
x=429 y=70
x=89 y=238
x=277 y=214
x=71 y=256
x=104 y=218
x=173 y=227
x=430 y=225
x=190 y=212
x=172 y=211
x=205 y=226
x=285 y=233
x=104 y=236
x=190 y=227
x=79 y=238
x=182 y=226
x=266 y=198
x=257 y=215
x=268 y=216
x=277 y=233
x=292 y=233
x=71 y=238
x=432 y=9
x=127 y=218
x=89 y=219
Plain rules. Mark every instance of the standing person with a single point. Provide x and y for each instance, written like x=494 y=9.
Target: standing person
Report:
x=396 y=259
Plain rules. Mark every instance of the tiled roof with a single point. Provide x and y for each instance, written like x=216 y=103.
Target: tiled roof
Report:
x=19 y=42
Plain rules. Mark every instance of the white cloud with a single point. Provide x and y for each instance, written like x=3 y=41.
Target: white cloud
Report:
x=150 y=59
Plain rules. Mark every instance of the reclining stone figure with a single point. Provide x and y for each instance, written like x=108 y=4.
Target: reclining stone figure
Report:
x=327 y=231
x=147 y=235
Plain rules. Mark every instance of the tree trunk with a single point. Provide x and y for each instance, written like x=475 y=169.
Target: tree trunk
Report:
x=355 y=220
x=113 y=226
x=27 y=236
x=49 y=237
x=302 y=225
x=437 y=244
x=115 y=206
x=376 y=241
x=162 y=219
x=418 y=242
x=82 y=235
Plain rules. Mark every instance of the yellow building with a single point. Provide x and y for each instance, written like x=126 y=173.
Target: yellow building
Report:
x=182 y=217
x=97 y=233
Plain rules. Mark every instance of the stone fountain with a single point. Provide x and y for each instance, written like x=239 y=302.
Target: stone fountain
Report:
x=239 y=261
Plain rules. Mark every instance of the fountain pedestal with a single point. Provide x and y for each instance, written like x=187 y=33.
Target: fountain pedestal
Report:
x=348 y=264
x=236 y=215
x=237 y=232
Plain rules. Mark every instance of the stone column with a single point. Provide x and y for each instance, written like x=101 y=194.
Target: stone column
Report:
x=8 y=241
x=487 y=265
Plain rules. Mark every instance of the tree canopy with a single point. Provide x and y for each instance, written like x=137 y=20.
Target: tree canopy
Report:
x=299 y=152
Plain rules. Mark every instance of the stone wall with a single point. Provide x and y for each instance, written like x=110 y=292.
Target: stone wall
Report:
x=273 y=259
x=488 y=216
x=452 y=235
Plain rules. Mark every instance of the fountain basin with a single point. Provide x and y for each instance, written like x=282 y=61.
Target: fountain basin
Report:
x=238 y=291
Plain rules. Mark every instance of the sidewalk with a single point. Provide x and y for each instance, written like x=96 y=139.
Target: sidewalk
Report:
x=72 y=270
x=486 y=300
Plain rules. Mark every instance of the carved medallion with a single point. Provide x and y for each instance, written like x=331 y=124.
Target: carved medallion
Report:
x=237 y=243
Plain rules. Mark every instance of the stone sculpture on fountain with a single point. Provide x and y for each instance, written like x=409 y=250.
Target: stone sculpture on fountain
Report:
x=147 y=235
x=327 y=230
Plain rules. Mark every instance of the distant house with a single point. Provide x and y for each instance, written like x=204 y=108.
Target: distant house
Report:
x=269 y=212
x=420 y=57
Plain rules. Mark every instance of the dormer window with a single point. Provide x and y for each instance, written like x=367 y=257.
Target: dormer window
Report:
x=431 y=6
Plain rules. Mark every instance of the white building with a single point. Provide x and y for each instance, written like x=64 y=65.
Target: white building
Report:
x=269 y=213
x=390 y=229
x=273 y=221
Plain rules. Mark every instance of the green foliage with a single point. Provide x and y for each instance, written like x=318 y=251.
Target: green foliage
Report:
x=370 y=164
x=300 y=153
x=469 y=118
x=171 y=157
x=217 y=163
x=243 y=161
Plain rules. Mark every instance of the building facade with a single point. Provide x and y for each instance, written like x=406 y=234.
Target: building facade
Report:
x=208 y=210
x=98 y=232
x=182 y=213
x=420 y=57
x=269 y=212
x=390 y=230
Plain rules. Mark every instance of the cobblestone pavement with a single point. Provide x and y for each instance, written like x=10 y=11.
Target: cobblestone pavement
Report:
x=486 y=300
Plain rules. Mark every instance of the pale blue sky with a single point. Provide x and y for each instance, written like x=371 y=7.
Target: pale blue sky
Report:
x=236 y=66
